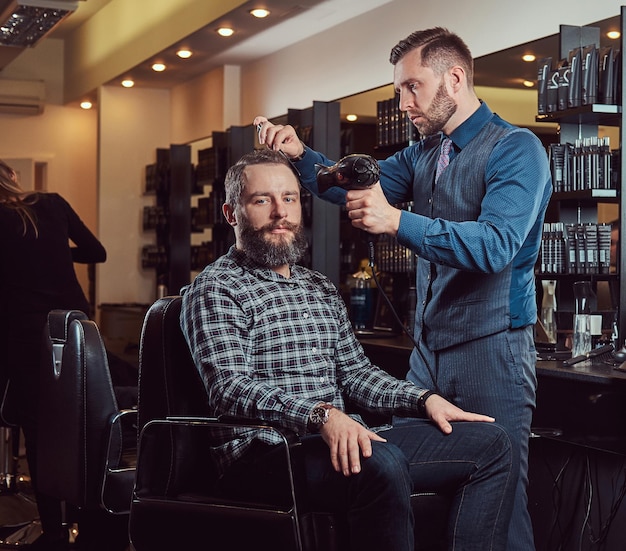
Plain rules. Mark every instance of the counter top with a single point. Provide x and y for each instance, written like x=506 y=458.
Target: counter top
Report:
x=595 y=370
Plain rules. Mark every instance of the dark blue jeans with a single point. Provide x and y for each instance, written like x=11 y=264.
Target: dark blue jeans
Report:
x=473 y=465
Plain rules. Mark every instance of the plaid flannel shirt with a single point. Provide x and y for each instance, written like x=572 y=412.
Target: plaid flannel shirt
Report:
x=272 y=348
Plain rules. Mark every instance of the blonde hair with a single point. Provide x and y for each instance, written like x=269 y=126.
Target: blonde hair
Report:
x=14 y=197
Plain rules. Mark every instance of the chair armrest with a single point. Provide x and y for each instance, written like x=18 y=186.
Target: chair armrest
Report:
x=121 y=450
x=291 y=438
x=162 y=464
x=120 y=463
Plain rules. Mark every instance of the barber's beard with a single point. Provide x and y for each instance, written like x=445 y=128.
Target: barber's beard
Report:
x=438 y=114
x=263 y=247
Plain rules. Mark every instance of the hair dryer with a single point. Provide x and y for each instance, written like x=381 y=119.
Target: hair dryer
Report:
x=355 y=171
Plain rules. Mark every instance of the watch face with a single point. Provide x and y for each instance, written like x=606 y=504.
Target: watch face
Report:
x=319 y=415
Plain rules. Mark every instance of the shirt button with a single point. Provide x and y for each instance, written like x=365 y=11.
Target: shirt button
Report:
x=314 y=350
x=305 y=315
x=322 y=379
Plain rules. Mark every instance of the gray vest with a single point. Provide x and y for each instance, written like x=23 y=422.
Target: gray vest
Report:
x=455 y=306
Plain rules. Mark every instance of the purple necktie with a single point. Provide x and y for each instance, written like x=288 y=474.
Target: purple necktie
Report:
x=444 y=157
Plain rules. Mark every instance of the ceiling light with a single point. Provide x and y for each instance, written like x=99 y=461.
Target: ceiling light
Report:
x=24 y=22
x=184 y=53
x=225 y=31
x=529 y=57
x=351 y=118
x=613 y=35
x=260 y=12
x=128 y=83
x=158 y=67
x=528 y=83
x=86 y=104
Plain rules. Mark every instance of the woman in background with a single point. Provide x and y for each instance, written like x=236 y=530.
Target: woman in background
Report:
x=37 y=275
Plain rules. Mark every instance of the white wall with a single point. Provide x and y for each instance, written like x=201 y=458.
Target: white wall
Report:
x=133 y=124
x=353 y=56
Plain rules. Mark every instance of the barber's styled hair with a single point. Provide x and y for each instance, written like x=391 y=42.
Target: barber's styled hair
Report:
x=235 y=177
x=441 y=49
x=12 y=196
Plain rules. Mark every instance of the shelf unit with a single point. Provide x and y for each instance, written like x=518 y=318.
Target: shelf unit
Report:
x=170 y=179
x=579 y=207
x=174 y=179
x=319 y=127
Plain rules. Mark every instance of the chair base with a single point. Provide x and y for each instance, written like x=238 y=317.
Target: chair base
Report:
x=22 y=537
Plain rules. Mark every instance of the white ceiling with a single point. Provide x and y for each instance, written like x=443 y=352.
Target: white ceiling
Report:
x=289 y=22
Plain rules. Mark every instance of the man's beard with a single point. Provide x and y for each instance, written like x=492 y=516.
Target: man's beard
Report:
x=439 y=112
x=270 y=253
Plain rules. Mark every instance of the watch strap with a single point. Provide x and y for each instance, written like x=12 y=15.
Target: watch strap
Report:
x=421 y=401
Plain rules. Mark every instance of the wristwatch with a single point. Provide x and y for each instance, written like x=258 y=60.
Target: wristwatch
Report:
x=421 y=401
x=319 y=415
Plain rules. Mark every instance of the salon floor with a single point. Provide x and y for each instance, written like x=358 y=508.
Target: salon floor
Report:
x=19 y=523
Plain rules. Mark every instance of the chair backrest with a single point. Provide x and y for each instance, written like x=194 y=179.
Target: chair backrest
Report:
x=169 y=383
x=77 y=410
x=171 y=386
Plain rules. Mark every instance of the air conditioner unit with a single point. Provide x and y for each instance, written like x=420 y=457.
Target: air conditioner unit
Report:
x=22 y=97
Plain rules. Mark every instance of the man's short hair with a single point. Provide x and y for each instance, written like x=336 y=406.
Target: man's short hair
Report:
x=235 y=177
x=441 y=49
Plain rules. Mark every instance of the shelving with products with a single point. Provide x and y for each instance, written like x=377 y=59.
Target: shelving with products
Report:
x=586 y=172
x=187 y=220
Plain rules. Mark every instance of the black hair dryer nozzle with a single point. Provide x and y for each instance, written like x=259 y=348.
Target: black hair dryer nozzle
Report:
x=355 y=171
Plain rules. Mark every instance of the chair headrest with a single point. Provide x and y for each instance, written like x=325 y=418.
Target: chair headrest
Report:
x=59 y=323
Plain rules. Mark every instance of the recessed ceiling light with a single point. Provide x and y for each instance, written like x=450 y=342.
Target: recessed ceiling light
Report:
x=613 y=35
x=528 y=83
x=351 y=118
x=260 y=12
x=529 y=57
x=225 y=31
x=184 y=53
x=86 y=104
x=128 y=83
x=158 y=67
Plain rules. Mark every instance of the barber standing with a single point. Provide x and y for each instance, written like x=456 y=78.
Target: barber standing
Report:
x=480 y=188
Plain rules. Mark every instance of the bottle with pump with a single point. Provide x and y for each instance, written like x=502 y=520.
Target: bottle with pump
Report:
x=548 y=309
x=361 y=298
x=585 y=302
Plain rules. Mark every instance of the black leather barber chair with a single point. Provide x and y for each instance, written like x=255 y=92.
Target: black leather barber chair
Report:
x=176 y=502
x=87 y=444
x=19 y=523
